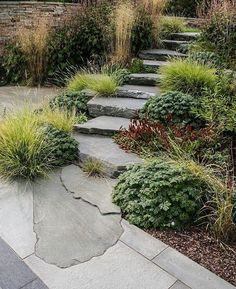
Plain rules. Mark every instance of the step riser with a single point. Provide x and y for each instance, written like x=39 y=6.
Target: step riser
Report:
x=143 y=81
x=134 y=94
x=173 y=45
x=97 y=131
x=180 y=37
x=158 y=57
x=99 y=110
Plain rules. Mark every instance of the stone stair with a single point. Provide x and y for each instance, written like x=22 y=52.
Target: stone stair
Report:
x=110 y=114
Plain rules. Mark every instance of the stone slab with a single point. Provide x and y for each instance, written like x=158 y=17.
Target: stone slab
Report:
x=179 y=285
x=189 y=272
x=187 y=36
x=16 y=217
x=140 y=241
x=103 y=125
x=119 y=268
x=144 y=79
x=153 y=65
x=95 y=190
x=70 y=231
x=115 y=106
x=36 y=284
x=173 y=44
x=14 y=273
x=103 y=148
x=137 y=91
x=159 y=54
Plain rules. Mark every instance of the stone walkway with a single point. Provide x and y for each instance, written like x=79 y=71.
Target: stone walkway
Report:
x=66 y=228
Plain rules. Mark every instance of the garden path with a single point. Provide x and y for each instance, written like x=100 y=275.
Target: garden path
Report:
x=66 y=228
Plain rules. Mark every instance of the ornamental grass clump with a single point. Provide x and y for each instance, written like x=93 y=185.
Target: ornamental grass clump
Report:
x=24 y=152
x=171 y=24
x=188 y=77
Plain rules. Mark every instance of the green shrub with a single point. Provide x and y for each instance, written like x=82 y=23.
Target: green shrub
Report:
x=158 y=194
x=142 y=32
x=171 y=24
x=65 y=147
x=137 y=66
x=207 y=58
x=71 y=101
x=171 y=108
x=188 y=77
x=187 y=8
x=24 y=152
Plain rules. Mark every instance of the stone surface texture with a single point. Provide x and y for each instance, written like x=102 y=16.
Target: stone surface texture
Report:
x=144 y=79
x=159 y=54
x=137 y=91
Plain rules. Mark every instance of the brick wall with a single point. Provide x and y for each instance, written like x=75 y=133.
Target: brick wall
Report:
x=14 y=14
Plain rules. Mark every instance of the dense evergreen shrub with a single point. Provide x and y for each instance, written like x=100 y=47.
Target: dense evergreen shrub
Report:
x=158 y=194
x=187 y=8
x=171 y=108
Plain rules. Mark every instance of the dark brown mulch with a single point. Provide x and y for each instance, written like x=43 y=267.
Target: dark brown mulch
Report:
x=199 y=245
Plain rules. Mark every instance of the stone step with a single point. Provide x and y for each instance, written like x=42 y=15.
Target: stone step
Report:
x=115 y=106
x=153 y=65
x=103 y=125
x=173 y=44
x=159 y=54
x=103 y=148
x=137 y=91
x=144 y=79
x=184 y=36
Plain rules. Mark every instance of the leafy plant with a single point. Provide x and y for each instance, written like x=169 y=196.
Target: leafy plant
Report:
x=187 y=8
x=171 y=24
x=188 y=77
x=207 y=58
x=93 y=167
x=171 y=108
x=24 y=151
x=158 y=194
x=137 y=66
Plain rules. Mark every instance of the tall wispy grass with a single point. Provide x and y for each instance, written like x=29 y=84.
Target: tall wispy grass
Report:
x=124 y=16
x=33 y=42
x=24 y=153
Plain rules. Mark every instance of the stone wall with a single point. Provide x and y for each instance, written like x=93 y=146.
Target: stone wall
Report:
x=14 y=14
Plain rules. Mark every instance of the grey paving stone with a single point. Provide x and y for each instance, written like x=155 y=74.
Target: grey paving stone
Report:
x=173 y=44
x=137 y=91
x=153 y=65
x=189 y=272
x=144 y=79
x=103 y=148
x=179 y=285
x=115 y=106
x=103 y=125
x=36 y=284
x=70 y=231
x=159 y=54
x=95 y=190
x=140 y=241
x=119 y=268
x=187 y=36
x=14 y=273
x=16 y=217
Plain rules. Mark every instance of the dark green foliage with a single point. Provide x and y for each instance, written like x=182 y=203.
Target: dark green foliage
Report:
x=65 y=147
x=186 y=8
x=234 y=208
x=158 y=194
x=85 y=37
x=71 y=101
x=142 y=34
x=210 y=59
x=137 y=66
x=171 y=108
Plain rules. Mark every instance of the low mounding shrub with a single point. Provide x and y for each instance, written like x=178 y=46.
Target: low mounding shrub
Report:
x=188 y=77
x=187 y=8
x=171 y=24
x=207 y=58
x=158 y=194
x=24 y=151
x=101 y=84
x=65 y=147
x=71 y=101
x=170 y=108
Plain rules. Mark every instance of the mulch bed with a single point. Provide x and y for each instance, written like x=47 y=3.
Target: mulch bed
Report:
x=199 y=245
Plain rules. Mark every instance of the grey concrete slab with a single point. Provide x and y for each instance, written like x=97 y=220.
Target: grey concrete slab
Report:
x=95 y=190
x=14 y=273
x=70 y=231
x=36 y=284
x=16 y=217
x=159 y=54
x=140 y=241
x=17 y=96
x=137 y=91
x=189 y=272
x=144 y=79
x=119 y=268
x=103 y=125
x=103 y=148
x=179 y=285
x=115 y=106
